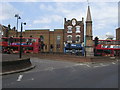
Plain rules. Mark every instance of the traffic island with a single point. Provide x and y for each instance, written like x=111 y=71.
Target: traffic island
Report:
x=12 y=64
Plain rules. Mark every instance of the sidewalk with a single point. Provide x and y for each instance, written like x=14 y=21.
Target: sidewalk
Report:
x=11 y=63
x=68 y=57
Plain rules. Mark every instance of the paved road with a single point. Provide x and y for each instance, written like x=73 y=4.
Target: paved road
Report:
x=64 y=74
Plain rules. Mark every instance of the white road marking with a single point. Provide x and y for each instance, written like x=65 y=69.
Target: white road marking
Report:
x=49 y=69
x=32 y=79
x=113 y=63
x=20 y=77
x=117 y=60
x=103 y=64
x=88 y=65
x=96 y=66
x=79 y=64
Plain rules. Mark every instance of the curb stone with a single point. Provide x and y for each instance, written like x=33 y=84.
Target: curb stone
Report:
x=17 y=71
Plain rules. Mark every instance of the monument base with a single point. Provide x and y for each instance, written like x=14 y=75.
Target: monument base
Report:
x=89 y=51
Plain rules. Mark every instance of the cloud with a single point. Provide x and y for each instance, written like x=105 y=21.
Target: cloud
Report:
x=104 y=14
x=109 y=33
x=42 y=21
x=46 y=7
x=37 y=27
x=59 y=1
x=7 y=11
x=48 y=19
x=68 y=10
x=30 y=0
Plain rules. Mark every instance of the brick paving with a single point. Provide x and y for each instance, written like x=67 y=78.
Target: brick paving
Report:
x=51 y=56
x=69 y=57
x=10 y=57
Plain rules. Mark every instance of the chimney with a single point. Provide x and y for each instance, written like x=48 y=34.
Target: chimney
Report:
x=83 y=19
x=64 y=19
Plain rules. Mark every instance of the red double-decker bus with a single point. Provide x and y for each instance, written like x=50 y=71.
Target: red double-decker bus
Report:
x=12 y=45
x=108 y=48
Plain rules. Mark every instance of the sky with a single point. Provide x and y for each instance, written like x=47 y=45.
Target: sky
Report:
x=51 y=14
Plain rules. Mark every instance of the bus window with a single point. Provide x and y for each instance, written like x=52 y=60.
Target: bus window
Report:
x=4 y=39
x=29 y=48
x=33 y=40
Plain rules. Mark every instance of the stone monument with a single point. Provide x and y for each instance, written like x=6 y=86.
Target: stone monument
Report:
x=89 y=48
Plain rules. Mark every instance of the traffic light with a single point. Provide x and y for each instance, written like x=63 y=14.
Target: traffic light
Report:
x=96 y=41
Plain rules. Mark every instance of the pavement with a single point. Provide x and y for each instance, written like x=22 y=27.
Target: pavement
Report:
x=64 y=57
x=72 y=58
x=10 y=57
x=11 y=63
x=64 y=74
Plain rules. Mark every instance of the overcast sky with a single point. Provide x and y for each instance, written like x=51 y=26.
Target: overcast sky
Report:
x=50 y=15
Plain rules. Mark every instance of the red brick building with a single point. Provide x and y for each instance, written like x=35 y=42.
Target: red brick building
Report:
x=73 y=31
x=118 y=33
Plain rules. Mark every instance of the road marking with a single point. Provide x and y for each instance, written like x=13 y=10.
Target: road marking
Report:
x=49 y=69
x=32 y=79
x=96 y=66
x=79 y=64
x=20 y=77
x=103 y=64
x=88 y=65
x=113 y=63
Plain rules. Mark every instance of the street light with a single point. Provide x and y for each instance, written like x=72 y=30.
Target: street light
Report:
x=18 y=17
x=21 y=39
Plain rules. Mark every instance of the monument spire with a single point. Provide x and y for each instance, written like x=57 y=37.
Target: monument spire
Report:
x=88 y=38
x=88 y=14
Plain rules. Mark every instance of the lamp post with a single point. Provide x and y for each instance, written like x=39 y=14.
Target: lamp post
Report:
x=18 y=17
x=20 y=56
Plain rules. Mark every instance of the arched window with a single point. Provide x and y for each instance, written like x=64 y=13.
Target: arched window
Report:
x=69 y=38
x=77 y=38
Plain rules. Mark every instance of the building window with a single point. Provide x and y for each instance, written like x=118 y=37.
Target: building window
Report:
x=69 y=38
x=69 y=29
x=41 y=38
x=77 y=29
x=58 y=37
x=58 y=40
x=77 y=38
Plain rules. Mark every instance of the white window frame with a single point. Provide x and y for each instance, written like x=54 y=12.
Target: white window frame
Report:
x=69 y=41
x=58 y=37
x=69 y=29
x=77 y=31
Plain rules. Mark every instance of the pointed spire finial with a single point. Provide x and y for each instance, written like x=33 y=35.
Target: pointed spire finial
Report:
x=88 y=14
